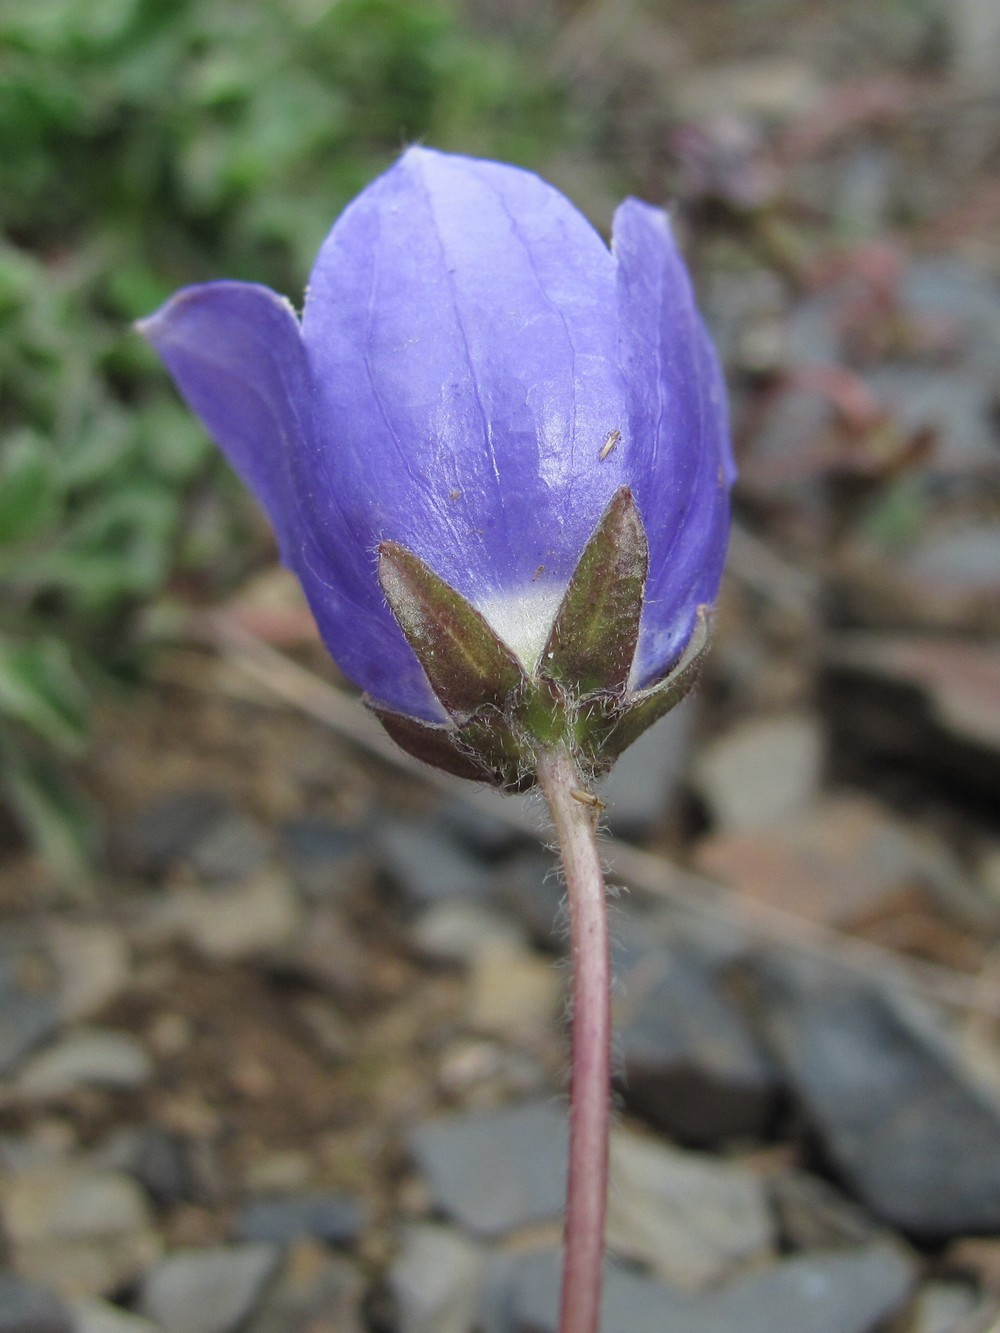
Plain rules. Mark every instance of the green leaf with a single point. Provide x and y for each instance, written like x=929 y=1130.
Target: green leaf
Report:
x=592 y=641
x=54 y=816
x=40 y=689
x=27 y=488
x=467 y=664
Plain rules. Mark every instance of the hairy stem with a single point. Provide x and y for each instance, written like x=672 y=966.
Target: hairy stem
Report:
x=586 y=1194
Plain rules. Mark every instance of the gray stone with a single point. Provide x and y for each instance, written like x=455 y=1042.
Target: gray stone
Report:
x=68 y=1199
x=208 y=1291
x=338 y=1219
x=494 y=1171
x=690 y=1218
x=949 y=1307
x=316 y=1292
x=763 y=772
x=453 y=931
x=89 y=1057
x=435 y=1281
x=85 y=1232
x=429 y=865
x=156 y=1159
x=886 y=1088
x=164 y=832
x=851 y=1292
x=94 y=965
x=29 y=1011
x=813 y=1215
x=26 y=1021
x=324 y=859
x=232 y=924
x=529 y=886
x=644 y=783
x=512 y=991
x=229 y=849
x=488 y=836
x=863 y=193
x=974 y=30
x=691 y=1065
x=27 y=1308
x=91 y=1316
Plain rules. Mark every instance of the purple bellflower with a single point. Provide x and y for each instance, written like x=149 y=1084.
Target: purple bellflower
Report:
x=494 y=451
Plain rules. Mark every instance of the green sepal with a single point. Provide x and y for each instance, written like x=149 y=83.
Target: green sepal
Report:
x=640 y=710
x=432 y=743
x=592 y=641
x=484 y=749
x=467 y=664
x=500 y=744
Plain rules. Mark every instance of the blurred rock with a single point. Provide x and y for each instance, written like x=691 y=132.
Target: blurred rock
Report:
x=886 y=1089
x=513 y=991
x=691 y=1219
x=334 y=1035
x=946 y=1307
x=692 y=1067
x=486 y=835
x=338 y=1219
x=93 y=963
x=959 y=683
x=946 y=580
x=162 y=834
x=761 y=773
x=494 y=1171
x=863 y=194
x=454 y=931
x=812 y=1214
x=530 y=887
x=844 y=861
x=209 y=1290
x=316 y=1292
x=329 y=954
x=151 y=1156
x=101 y=1317
x=229 y=849
x=974 y=26
x=643 y=784
x=283 y=1172
x=85 y=1232
x=236 y=923
x=435 y=1281
x=428 y=864
x=853 y=1292
x=27 y=1019
x=770 y=88
x=88 y=1057
x=27 y=1308
x=324 y=859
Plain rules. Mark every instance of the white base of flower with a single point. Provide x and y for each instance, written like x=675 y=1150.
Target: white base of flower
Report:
x=523 y=620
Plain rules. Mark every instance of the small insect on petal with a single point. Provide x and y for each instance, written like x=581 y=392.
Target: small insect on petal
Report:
x=609 y=445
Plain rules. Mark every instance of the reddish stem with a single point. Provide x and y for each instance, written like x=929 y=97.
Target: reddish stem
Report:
x=573 y=817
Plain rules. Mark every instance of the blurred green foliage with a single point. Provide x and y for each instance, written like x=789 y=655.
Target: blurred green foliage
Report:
x=148 y=144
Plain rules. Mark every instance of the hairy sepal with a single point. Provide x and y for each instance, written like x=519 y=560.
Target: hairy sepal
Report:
x=467 y=664
x=594 y=635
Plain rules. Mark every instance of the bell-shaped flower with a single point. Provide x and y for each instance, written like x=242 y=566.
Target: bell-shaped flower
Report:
x=479 y=390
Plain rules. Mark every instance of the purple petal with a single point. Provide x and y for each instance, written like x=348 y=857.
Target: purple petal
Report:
x=236 y=353
x=682 y=472
x=461 y=325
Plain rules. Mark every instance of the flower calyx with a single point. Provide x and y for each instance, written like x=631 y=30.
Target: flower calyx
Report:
x=504 y=715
